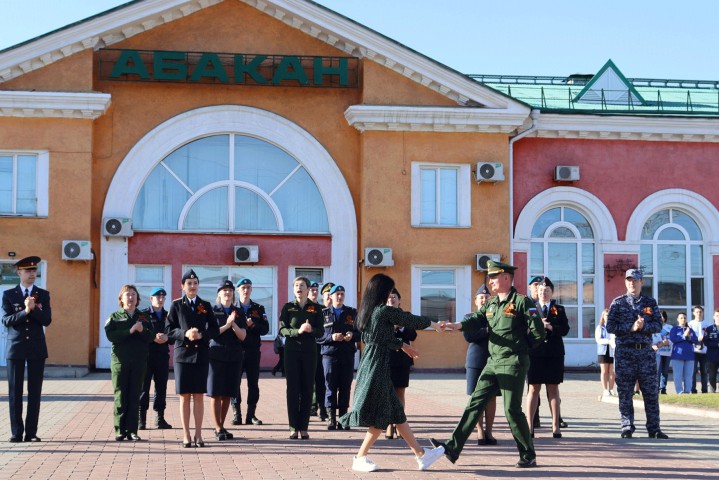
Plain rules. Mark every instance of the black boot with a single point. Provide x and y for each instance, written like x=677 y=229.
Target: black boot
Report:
x=143 y=420
x=236 y=415
x=332 y=421
x=343 y=411
x=160 y=422
x=251 y=419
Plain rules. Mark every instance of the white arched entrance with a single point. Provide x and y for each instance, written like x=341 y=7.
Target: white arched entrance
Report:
x=189 y=126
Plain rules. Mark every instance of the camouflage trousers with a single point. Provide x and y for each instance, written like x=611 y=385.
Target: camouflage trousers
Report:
x=632 y=365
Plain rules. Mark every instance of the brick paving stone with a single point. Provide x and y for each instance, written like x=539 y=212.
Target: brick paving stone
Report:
x=78 y=440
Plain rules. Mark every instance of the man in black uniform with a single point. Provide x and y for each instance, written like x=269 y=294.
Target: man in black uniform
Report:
x=319 y=393
x=257 y=325
x=339 y=345
x=26 y=311
x=158 y=365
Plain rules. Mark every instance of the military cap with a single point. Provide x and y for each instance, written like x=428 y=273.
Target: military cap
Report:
x=535 y=279
x=495 y=268
x=188 y=275
x=546 y=282
x=225 y=284
x=483 y=290
x=158 y=291
x=27 y=263
x=314 y=285
x=634 y=273
x=244 y=281
x=327 y=287
x=337 y=288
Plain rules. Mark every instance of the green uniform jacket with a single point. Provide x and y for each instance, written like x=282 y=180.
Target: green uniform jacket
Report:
x=126 y=346
x=291 y=319
x=515 y=327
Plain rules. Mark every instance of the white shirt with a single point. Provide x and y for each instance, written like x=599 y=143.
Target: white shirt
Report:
x=697 y=327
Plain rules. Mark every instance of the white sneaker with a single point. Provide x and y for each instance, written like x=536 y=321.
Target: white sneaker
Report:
x=363 y=464
x=607 y=393
x=611 y=392
x=430 y=456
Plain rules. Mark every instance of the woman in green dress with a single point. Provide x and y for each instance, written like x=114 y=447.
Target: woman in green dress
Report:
x=376 y=404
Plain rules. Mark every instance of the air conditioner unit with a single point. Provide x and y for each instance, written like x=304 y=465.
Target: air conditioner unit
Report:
x=247 y=253
x=481 y=259
x=116 y=227
x=378 y=257
x=566 y=173
x=76 y=250
x=489 y=172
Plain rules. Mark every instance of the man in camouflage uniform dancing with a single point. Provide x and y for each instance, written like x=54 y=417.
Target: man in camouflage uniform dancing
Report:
x=633 y=318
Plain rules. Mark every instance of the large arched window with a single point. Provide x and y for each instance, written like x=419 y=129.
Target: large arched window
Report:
x=562 y=247
x=230 y=183
x=672 y=258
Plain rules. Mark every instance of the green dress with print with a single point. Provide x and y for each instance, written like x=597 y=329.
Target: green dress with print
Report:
x=375 y=403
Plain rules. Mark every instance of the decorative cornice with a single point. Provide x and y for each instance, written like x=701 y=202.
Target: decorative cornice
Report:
x=360 y=41
x=308 y=17
x=432 y=119
x=53 y=104
x=99 y=32
x=602 y=127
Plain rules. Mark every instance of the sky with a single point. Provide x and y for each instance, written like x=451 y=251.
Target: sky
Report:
x=644 y=38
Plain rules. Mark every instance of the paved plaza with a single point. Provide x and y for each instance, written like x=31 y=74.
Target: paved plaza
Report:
x=78 y=440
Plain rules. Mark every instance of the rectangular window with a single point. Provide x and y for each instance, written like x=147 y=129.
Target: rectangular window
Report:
x=438 y=291
x=264 y=287
x=23 y=184
x=440 y=195
x=148 y=277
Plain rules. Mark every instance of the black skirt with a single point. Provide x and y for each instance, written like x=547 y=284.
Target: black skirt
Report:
x=546 y=370
x=191 y=377
x=224 y=378
x=606 y=358
x=399 y=376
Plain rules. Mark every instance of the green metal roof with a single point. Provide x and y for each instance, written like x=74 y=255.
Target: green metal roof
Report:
x=642 y=96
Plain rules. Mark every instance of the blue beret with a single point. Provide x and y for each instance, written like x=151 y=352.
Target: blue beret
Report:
x=535 y=279
x=314 y=285
x=225 y=284
x=158 y=291
x=244 y=281
x=337 y=288
x=189 y=274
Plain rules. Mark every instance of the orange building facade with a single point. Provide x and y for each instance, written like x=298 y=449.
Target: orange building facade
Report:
x=280 y=127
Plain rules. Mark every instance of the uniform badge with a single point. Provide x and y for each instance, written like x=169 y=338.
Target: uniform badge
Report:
x=311 y=309
x=510 y=309
x=647 y=310
x=553 y=310
x=350 y=320
x=201 y=309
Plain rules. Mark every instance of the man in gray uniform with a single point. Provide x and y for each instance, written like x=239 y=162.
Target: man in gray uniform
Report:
x=633 y=318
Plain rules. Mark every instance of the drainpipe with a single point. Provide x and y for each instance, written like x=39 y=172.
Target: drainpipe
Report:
x=535 y=118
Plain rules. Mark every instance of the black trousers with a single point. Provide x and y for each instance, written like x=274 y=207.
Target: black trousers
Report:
x=15 y=380
x=339 y=371
x=300 y=376
x=251 y=369
x=319 y=392
x=158 y=367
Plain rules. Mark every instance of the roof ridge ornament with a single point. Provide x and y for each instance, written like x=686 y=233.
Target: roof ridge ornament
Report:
x=609 y=86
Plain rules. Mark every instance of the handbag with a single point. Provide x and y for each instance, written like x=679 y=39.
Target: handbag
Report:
x=278 y=344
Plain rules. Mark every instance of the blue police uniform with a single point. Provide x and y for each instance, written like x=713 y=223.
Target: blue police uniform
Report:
x=634 y=358
x=338 y=359
x=25 y=346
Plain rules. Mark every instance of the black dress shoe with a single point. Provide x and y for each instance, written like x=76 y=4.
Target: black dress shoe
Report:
x=32 y=438
x=489 y=439
x=626 y=434
x=448 y=452
x=556 y=435
x=220 y=435
x=659 y=434
x=119 y=438
x=227 y=434
x=186 y=444
x=134 y=437
x=253 y=421
x=563 y=424
x=524 y=463
x=15 y=439
x=304 y=436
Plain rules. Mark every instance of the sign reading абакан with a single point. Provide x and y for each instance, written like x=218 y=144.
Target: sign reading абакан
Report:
x=228 y=68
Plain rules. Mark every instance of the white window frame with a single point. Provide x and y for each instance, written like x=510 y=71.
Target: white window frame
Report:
x=464 y=194
x=463 y=284
x=166 y=282
x=42 y=169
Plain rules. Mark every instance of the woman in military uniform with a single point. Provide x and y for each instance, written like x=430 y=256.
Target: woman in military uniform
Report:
x=130 y=332
x=546 y=361
x=191 y=324
x=301 y=325
x=375 y=404
x=225 y=357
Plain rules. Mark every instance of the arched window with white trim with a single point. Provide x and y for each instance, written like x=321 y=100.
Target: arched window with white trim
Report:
x=562 y=247
x=230 y=183
x=672 y=259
